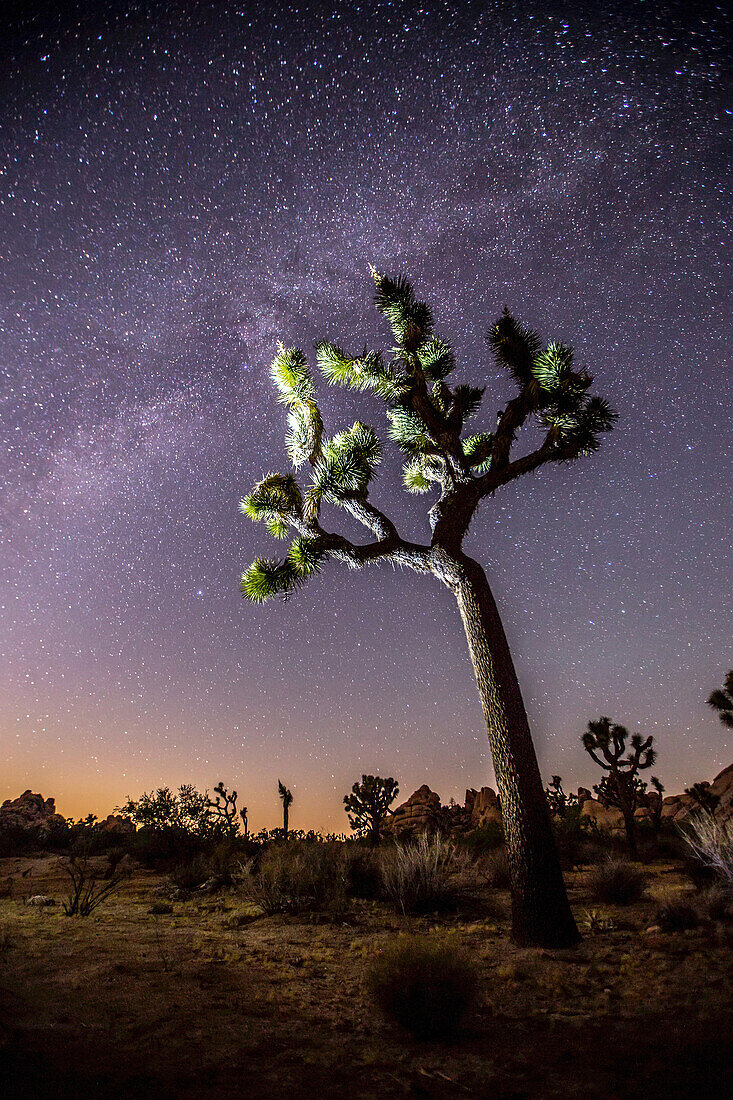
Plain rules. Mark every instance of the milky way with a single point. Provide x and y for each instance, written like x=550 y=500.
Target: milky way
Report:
x=183 y=187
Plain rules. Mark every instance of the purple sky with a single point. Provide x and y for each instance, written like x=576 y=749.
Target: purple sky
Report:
x=180 y=189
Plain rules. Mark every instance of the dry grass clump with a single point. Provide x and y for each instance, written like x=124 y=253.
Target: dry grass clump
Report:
x=617 y=882
x=296 y=878
x=711 y=843
x=424 y=984
x=425 y=876
x=494 y=869
x=676 y=916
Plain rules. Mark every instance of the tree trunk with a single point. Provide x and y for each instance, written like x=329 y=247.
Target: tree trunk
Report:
x=541 y=913
x=285 y=822
x=630 y=826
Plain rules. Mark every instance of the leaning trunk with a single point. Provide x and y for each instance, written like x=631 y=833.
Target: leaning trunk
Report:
x=541 y=913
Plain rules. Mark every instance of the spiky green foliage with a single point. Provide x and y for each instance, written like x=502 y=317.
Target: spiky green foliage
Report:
x=414 y=476
x=477 y=449
x=273 y=499
x=347 y=463
x=266 y=578
x=515 y=347
x=409 y=431
x=426 y=416
x=291 y=376
x=722 y=700
x=410 y=319
x=365 y=372
x=436 y=358
x=306 y=555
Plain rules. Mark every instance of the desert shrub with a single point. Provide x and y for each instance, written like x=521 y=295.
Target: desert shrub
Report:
x=711 y=843
x=165 y=848
x=296 y=877
x=617 y=882
x=676 y=916
x=486 y=839
x=494 y=869
x=424 y=984
x=425 y=876
x=88 y=889
x=363 y=871
x=192 y=874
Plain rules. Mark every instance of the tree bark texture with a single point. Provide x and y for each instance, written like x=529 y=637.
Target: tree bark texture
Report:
x=541 y=914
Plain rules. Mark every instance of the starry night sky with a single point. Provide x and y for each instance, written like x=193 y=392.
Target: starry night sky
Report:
x=183 y=186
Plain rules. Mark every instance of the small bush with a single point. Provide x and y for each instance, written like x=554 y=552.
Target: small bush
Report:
x=192 y=874
x=296 y=878
x=363 y=872
x=676 y=916
x=425 y=985
x=421 y=877
x=486 y=839
x=494 y=869
x=617 y=882
x=88 y=892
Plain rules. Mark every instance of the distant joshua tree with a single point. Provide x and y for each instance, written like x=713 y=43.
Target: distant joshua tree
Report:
x=606 y=743
x=427 y=421
x=722 y=700
x=286 y=798
x=369 y=803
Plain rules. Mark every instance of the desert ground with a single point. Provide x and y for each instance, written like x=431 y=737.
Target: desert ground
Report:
x=213 y=997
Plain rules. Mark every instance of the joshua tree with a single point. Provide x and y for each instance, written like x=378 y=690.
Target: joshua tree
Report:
x=704 y=798
x=722 y=700
x=427 y=418
x=369 y=803
x=286 y=798
x=606 y=743
x=223 y=812
x=557 y=800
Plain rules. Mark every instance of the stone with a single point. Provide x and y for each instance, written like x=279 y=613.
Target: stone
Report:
x=41 y=901
x=30 y=812
x=584 y=795
x=485 y=808
x=116 y=823
x=605 y=818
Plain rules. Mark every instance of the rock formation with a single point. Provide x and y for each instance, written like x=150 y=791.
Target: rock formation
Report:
x=30 y=812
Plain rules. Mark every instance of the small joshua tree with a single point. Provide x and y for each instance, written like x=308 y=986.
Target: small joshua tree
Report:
x=369 y=803
x=427 y=420
x=722 y=700
x=557 y=800
x=606 y=743
x=223 y=812
x=704 y=797
x=286 y=797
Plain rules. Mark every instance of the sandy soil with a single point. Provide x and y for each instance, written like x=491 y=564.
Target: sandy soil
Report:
x=127 y=1003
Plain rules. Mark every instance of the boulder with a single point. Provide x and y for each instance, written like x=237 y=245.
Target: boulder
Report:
x=485 y=808
x=30 y=812
x=419 y=814
x=605 y=818
x=116 y=823
x=584 y=795
x=722 y=786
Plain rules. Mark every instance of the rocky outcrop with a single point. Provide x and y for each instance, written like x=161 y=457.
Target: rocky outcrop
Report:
x=484 y=807
x=420 y=814
x=116 y=823
x=31 y=813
